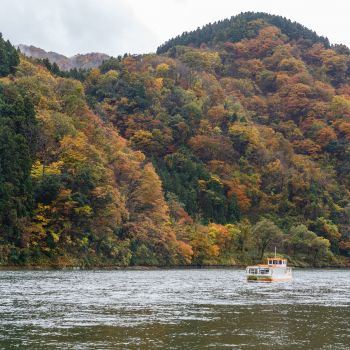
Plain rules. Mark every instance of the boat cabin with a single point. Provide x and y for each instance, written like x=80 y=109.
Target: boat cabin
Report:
x=277 y=262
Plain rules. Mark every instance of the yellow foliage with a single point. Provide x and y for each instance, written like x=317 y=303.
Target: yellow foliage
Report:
x=158 y=83
x=162 y=68
x=93 y=76
x=201 y=59
x=341 y=106
x=55 y=236
x=86 y=210
x=245 y=133
x=74 y=148
x=275 y=167
x=39 y=169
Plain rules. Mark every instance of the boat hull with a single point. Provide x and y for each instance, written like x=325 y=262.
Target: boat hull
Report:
x=268 y=279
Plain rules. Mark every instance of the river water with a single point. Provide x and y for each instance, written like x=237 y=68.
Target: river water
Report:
x=173 y=309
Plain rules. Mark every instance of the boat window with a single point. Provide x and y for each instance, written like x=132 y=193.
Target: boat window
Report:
x=264 y=271
x=279 y=262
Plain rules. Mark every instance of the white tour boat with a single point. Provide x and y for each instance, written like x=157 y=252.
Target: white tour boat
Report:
x=275 y=270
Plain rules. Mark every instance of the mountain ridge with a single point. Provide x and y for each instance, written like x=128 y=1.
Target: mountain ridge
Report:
x=235 y=29
x=79 y=61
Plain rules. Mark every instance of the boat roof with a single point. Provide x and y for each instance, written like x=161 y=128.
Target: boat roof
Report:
x=265 y=266
x=270 y=266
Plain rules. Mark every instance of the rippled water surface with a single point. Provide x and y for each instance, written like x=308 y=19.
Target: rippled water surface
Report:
x=173 y=309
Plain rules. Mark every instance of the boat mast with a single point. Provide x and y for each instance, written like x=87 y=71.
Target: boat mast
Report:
x=275 y=252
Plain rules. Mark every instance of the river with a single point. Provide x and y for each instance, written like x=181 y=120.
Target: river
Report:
x=173 y=309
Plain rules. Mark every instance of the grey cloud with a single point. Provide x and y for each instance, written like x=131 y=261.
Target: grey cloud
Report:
x=75 y=26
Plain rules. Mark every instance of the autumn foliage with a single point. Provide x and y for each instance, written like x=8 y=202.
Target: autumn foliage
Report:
x=229 y=141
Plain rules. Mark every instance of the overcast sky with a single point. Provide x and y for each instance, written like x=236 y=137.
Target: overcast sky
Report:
x=139 y=26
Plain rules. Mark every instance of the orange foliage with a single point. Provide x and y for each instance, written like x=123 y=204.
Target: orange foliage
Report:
x=268 y=38
x=217 y=114
x=325 y=135
x=221 y=235
x=306 y=146
x=211 y=147
x=185 y=252
x=296 y=99
x=344 y=89
x=345 y=245
x=240 y=191
x=343 y=127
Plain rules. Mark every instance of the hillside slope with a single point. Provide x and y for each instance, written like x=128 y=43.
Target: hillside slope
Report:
x=71 y=191
x=243 y=129
x=211 y=153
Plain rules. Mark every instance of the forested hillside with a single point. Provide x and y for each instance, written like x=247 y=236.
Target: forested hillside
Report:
x=71 y=190
x=231 y=140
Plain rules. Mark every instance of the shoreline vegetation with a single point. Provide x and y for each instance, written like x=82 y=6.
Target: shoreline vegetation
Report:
x=231 y=140
x=75 y=264
x=149 y=268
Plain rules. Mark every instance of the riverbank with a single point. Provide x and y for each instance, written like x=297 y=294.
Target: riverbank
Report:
x=94 y=262
x=151 y=268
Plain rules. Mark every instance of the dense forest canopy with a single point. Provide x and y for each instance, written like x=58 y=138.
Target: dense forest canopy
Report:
x=243 y=26
x=233 y=139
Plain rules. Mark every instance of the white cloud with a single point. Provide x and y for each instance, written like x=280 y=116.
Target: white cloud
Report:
x=75 y=26
x=171 y=17
x=136 y=26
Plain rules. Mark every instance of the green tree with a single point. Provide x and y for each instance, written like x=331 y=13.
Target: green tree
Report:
x=17 y=146
x=265 y=234
x=9 y=58
x=304 y=244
